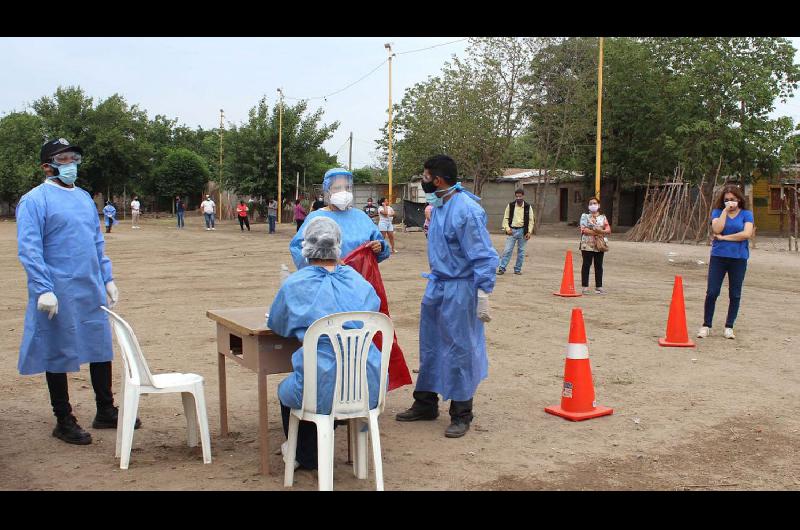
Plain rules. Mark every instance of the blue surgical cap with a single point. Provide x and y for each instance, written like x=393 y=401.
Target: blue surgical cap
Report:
x=333 y=173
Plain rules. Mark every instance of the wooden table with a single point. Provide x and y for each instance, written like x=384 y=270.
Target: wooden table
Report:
x=243 y=336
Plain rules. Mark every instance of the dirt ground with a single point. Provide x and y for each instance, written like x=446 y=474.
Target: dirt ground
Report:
x=720 y=416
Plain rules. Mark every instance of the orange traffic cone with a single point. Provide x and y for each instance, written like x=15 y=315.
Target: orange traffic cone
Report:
x=577 y=394
x=567 y=280
x=677 y=333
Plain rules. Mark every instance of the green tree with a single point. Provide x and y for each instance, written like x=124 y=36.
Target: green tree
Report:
x=21 y=138
x=182 y=172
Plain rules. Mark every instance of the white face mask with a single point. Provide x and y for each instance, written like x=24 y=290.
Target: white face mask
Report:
x=594 y=207
x=731 y=204
x=342 y=200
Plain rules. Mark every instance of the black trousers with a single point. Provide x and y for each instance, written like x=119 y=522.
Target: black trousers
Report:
x=425 y=400
x=306 y=453
x=588 y=257
x=299 y=223
x=244 y=221
x=101 y=383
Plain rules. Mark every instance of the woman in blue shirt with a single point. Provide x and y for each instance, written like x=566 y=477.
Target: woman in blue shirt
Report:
x=732 y=227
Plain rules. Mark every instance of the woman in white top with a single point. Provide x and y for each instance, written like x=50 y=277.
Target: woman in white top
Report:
x=385 y=216
x=593 y=225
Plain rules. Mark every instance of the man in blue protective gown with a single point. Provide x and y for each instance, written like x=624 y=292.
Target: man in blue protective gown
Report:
x=61 y=248
x=317 y=290
x=463 y=261
x=357 y=228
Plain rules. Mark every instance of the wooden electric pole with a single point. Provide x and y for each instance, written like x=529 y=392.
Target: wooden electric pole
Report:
x=350 y=159
x=598 y=147
x=388 y=47
x=280 y=145
x=221 y=131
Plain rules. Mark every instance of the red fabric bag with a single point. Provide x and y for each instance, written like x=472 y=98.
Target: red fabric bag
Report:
x=364 y=261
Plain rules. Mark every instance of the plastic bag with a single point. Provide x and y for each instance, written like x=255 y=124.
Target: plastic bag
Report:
x=363 y=260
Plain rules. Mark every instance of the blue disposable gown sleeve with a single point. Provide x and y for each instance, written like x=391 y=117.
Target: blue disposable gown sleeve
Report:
x=30 y=246
x=475 y=241
x=386 y=251
x=100 y=245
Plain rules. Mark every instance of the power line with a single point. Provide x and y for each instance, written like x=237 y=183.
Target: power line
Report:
x=372 y=72
x=430 y=47
x=345 y=88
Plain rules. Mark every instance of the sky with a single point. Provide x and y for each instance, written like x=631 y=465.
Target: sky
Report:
x=192 y=78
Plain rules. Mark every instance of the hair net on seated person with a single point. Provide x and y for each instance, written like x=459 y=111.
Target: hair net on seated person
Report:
x=323 y=239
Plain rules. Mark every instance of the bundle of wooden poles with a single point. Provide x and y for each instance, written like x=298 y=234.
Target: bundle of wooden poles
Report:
x=673 y=212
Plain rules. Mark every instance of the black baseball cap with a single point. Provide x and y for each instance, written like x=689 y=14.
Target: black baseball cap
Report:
x=53 y=147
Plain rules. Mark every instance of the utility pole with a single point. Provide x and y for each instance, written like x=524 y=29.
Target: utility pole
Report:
x=280 y=141
x=297 y=186
x=350 y=160
x=388 y=47
x=598 y=149
x=221 y=131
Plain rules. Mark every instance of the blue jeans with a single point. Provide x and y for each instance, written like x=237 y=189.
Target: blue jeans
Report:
x=179 y=216
x=517 y=236
x=717 y=268
x=272 y=219
x=209 y=220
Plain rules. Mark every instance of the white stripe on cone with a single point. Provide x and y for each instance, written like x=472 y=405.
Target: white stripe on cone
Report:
x=577 y=351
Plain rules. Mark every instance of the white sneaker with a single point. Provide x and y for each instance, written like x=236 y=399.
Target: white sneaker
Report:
x=585 y=290
x=728 y=333
x=213 y=229
x=284 y=450
x=208 y=229
x=704 y=332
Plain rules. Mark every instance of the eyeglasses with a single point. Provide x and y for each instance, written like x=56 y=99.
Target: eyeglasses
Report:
x=67 y=157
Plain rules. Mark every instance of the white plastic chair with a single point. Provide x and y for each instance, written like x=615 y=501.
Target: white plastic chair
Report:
x=350 y=395
x=138 y=380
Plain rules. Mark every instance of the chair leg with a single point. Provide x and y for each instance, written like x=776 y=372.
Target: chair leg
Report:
x=325 y=454
x=131 y=407
x=202 y=418
x=361 y=458
x=291 y=453
x=375 y=435
x=190 y=411
x=120 y=415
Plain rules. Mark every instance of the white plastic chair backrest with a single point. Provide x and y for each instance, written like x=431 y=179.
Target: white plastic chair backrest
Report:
x=136 y=369
x=351 y=348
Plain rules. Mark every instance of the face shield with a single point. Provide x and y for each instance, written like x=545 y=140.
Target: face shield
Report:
x=338 y=188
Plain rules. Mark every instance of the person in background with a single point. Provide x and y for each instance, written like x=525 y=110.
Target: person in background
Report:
x=452 y=344
x=593 y=225
x=251 y=208
x=299 y=213
x=62 y=250
x=180 y=210
x=135 y=207
x=732 y=226
x=208 y=207
x=357 y=227
x=386 y=214
x=272 y=214
x=518 y=223
x=109 y=212
x=241 y=213
x=371 y=210
x=318 y=204
x=428 y=210
x=320 y=289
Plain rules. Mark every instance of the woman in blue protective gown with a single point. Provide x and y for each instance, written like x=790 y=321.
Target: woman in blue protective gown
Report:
x=357 y=228
x=319 y=289
x=110 y=215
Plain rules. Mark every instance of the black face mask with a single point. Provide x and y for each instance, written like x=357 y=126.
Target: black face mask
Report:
x=428 y=187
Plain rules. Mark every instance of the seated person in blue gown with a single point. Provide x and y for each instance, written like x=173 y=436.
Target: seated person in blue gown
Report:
x=315 y=291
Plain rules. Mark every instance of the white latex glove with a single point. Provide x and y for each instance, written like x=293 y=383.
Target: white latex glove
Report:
x=483 y=306
x=48 y=302
x=113 y=294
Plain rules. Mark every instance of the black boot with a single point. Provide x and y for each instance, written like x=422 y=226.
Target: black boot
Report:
x=425 y=407
x=68 y=430
x=107 y=417
x=460 y=418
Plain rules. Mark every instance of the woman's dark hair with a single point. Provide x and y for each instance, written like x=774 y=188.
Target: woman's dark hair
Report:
x=297 y=201
x=736 y=191
x=442 y=166
x=380 y=201
x=241 y=201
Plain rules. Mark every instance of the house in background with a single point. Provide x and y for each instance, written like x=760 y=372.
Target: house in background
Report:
x=773 y=201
